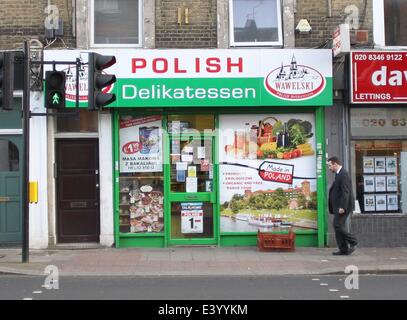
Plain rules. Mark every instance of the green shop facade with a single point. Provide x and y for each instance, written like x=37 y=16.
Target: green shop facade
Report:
x=211 y=146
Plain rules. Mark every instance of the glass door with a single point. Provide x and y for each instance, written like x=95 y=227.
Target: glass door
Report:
x=192 y=193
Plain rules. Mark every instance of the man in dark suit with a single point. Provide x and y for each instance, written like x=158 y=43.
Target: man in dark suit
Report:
x=341 y=205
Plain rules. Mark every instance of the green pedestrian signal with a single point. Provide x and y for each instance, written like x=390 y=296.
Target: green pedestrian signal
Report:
x=56 y=98
x=55 y=89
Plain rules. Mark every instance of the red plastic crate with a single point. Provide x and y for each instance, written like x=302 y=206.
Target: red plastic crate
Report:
x=276 y=242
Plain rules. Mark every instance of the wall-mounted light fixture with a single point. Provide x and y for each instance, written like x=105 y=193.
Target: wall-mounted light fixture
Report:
x=303 y=26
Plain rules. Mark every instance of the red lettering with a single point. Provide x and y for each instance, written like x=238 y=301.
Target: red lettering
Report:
x=213 y=65
x=176 y=67
x=238 y=64
x=164 y=65
x=138 y=63
x=197 y=65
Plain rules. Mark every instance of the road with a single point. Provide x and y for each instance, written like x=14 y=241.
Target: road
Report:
x=332 y=287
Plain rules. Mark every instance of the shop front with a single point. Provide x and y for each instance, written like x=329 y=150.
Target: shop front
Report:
x=378 y=145
x=211 y=146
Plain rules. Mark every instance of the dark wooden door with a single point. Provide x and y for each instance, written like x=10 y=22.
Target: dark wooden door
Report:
x=77 y=174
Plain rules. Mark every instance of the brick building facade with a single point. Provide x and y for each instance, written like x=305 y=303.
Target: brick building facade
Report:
x=205 y=24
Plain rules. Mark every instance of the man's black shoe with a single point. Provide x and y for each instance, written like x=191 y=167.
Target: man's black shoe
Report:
x=339 y=253
x=351 y=249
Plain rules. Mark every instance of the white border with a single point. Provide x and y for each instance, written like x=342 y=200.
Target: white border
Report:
x=353 y=75
x=11 y=131
x=278 y=43
x=115 y=45
x=379 y=26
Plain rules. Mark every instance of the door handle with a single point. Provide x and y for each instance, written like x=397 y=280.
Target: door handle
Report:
x=4 y=199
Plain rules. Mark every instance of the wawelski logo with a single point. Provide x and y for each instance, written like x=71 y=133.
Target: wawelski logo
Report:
x=294 y=82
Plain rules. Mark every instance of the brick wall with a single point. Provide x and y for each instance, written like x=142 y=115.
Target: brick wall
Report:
x=316 y=12
x=201 y=32
x=24 y=19
x=379 y=230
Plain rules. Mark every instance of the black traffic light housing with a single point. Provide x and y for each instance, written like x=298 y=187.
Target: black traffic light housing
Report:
x=6 y=79
x=55 y=89
x=98 y=81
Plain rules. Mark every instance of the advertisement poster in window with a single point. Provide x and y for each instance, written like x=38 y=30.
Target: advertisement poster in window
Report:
x=391 y=164
x=381 y=202
x=391 y=183
x=380 y=183
x=392 y=202
x=370 y=204
x=140 y=144
x=368 y=165
x=191 y=217
x=380 y=165
x=369 y=183
x=267 y=172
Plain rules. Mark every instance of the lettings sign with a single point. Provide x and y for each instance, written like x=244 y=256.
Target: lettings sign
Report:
x=379 y=77
x=211 y=77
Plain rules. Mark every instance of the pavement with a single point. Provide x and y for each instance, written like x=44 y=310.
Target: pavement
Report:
x=203 y=261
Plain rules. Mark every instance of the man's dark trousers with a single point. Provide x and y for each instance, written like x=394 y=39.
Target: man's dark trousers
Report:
x=343 y=237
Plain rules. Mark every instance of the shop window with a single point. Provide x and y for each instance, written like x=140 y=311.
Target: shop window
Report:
x=82 y=121
x=9 y=156
x=395 y=23
x=379 y=159
x=268 y=177
x=197 y=123
x=116 y=22
x=141 y=197
x=255 y=23
x=379 y=174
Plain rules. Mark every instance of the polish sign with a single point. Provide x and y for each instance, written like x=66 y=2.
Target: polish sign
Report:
x=379 y=77
x=276 y=172
x=212 y=77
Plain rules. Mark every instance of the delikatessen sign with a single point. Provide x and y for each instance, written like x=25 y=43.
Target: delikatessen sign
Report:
x=210 y=77
x=379 y=77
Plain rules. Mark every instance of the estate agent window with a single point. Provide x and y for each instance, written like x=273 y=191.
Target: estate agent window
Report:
x=116 y=23
x=255 y=23
x=379 y=159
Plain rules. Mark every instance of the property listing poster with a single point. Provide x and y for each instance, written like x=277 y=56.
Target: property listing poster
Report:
x=267 y=172
x=140 y=144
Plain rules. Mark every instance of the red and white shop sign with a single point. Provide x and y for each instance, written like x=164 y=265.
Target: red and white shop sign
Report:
x=276 y=172
x=379 y=76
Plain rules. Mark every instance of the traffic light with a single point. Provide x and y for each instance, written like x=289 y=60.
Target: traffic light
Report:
x=98 y=82
x=6 y=80
x=55 y=89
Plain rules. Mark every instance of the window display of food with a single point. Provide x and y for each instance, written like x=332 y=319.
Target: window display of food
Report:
x=272 y=139
x=141 y=205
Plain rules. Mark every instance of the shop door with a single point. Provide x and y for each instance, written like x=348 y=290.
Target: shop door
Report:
x=192 y=195
x=10 y=190
x=78 y=216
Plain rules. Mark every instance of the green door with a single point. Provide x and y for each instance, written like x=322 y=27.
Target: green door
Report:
x=191 y=207
x=10 y=190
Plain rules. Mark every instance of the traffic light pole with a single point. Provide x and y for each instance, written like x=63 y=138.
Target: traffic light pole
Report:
x=26 y=154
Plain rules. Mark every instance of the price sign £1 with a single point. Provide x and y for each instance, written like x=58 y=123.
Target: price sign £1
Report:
x=191 y=217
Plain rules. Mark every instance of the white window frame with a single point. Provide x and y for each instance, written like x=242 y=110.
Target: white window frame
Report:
x=278 y=43
x=115 y=45
x=379 y=33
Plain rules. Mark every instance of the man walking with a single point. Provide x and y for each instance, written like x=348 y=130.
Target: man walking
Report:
x=341 y=204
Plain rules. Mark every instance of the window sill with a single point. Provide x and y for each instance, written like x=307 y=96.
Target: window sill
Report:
x=379 y=214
